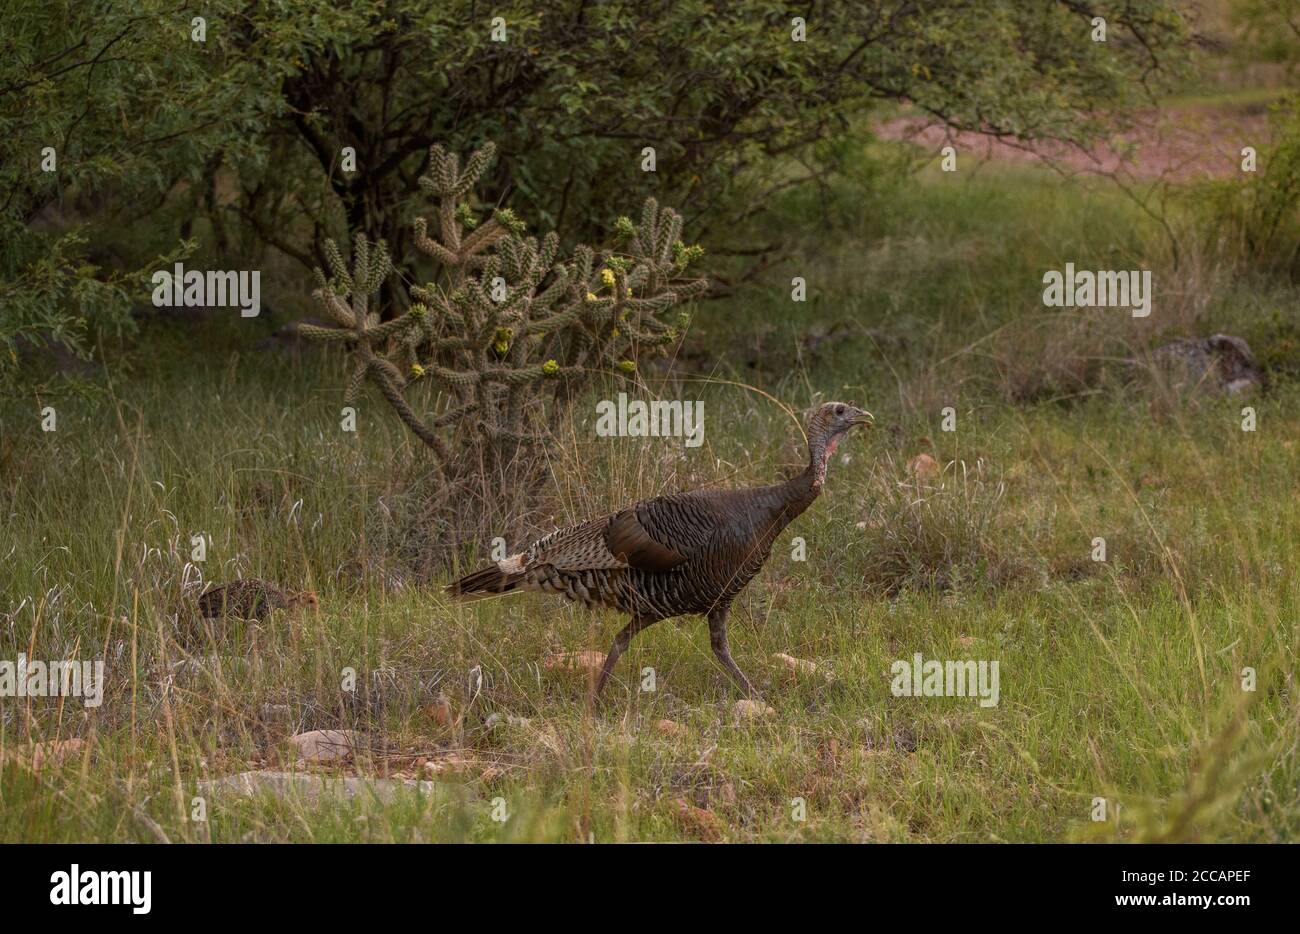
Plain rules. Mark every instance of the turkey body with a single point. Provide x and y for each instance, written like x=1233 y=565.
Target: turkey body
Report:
x=248 y=598
x=673 y=555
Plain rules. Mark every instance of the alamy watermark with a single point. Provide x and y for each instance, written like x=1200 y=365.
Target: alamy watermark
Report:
x=655 y=419
x=933 y=678
x=23 y=678
x=80 y=886
x=1101 y=289
x=191 y=288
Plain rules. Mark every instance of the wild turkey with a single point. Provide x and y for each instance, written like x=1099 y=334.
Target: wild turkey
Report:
x=251 y=598
x=672 y=555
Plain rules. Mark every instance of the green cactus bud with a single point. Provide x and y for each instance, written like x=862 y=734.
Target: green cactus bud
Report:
x=550 y=368
x=685 y=255
x=509 y=220
x=627 y=366
x=465 y=215
x=501 y=340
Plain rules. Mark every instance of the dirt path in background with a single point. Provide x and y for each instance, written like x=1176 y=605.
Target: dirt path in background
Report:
x=1179 y=145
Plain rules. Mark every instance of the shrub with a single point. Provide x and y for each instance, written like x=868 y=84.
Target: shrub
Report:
x=102 y=121
x=291 y=122
x=1259 y=217
x=936 y=533
x=572 y=93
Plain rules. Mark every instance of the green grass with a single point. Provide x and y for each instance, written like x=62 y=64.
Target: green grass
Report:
x=1119 y=679
x=1234 y=101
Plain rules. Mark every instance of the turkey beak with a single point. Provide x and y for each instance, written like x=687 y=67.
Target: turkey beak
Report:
x=866 y=418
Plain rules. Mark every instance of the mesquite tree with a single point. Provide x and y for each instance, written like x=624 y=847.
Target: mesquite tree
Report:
x=507 y=330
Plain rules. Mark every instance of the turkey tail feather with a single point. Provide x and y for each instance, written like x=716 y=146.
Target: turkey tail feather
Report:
x=490 y=580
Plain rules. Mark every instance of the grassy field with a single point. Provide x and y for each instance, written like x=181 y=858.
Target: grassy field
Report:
x=1119 y=679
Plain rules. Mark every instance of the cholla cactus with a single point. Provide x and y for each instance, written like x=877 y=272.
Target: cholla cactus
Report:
x=346 y=298
x=509 y=324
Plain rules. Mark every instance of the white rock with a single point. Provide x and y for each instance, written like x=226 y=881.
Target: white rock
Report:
x=750 y=710
x=801 y=666
x=325 y=745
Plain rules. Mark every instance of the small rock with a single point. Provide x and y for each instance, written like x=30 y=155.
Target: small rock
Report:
x=748 y=709
x=669 y=728
x=452 y=765
x=923 y=465
x=801 y=666
x=697 y=822
x=325 y=745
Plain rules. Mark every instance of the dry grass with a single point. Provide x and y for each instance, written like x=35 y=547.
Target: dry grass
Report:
x=941 y=531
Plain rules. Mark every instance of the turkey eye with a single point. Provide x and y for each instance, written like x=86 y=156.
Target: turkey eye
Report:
x=839 y=410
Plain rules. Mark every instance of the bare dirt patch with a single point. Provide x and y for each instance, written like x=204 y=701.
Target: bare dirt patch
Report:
x=1176 y=145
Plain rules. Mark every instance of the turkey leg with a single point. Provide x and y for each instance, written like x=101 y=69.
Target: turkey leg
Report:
x=718 y=638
